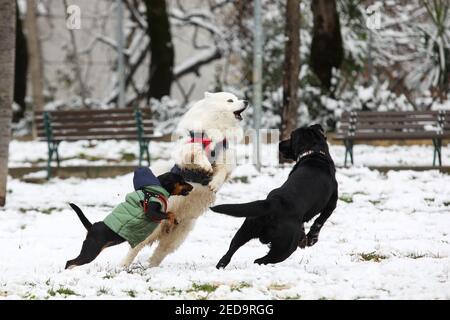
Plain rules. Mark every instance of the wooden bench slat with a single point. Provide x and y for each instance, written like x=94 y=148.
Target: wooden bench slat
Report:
x=388 y=126
x=392 y=119
x=100 y=132
x=94 y=112
x=100 y=119
x=129 y=124
x=393 y=136
x=93 y=133
x=89 y=138
x=393 y=113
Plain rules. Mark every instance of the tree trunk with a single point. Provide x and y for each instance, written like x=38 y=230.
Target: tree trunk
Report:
x=34 y=51
x=21 y=68
x=326 y=46
x=82 y=89
x=161 y=48
x=7 y=53
x=291 y=68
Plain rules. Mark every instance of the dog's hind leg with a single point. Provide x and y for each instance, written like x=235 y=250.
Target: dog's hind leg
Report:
x=245 y=233
x=313 y=235
x=133 y=252
x=282 y=245
x=89 y=251
x=98 y=238
x=131 y=255
x=169 y=242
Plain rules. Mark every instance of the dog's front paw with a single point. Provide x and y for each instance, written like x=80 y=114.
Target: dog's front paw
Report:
x=303 y=242
x=312 y=241
x=205 y=165
x=215 y=185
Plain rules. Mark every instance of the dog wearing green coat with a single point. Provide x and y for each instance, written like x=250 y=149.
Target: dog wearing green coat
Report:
x=134 y=219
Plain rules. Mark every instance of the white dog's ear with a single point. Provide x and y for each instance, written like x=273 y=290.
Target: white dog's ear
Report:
x=208 y=94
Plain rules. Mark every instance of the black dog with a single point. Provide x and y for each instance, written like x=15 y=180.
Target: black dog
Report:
x=310 y=189
x=100 y=236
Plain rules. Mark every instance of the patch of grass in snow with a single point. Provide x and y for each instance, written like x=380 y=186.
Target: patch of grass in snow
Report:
x=30 y=296
x=49 y=210
x=131 y=293
x=279 y=286
x=371 y=256
x=242 y=179
x=419 y=255
x=375 y=202
x=127 y=156
x=207 y=287
x=102 y=290
x=429 y=200
x=447 y=203
x=175 y=290
x=241 y=285
x=84 y=156
x=108 y=276
x=347 y=198
x=62 y=291
x=296 y=297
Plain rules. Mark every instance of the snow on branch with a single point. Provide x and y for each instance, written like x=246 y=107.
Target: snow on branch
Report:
x=194 y=63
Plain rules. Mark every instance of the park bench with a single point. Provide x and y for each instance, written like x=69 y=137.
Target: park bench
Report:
x=85 y=124
x=360 y=126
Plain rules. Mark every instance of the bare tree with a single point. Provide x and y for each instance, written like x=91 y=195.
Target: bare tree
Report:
x=326 y=45
x=76 y=61
x=161 y=47
x=291 y=68
x=21 y=70
x=34 y=51
x=7 y=53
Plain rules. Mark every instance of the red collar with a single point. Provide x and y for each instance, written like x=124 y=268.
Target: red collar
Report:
x=206 y=142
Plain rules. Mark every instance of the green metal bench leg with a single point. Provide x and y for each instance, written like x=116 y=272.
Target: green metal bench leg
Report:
x=52 y=150
x=140 y=154
x=147 y=150
x=49 y=162
x=57 y=154
x=143 y=150
x=437 y=151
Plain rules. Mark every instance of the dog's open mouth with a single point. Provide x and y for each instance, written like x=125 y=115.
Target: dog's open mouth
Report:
x=237 y=114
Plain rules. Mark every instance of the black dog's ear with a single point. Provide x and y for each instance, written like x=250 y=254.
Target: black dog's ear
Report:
x=320 y=129
x=285 y=149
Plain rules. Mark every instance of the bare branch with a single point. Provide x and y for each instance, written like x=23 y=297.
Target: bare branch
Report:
x=193 y=64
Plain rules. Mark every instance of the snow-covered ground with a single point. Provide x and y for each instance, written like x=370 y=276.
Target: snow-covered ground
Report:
x=388 y=238
x=32 y=153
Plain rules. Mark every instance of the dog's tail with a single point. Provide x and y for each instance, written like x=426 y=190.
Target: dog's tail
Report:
x=249 y=209
x=86 y=223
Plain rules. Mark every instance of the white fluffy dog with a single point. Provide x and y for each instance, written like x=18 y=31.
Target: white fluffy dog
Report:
x=205 y=136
